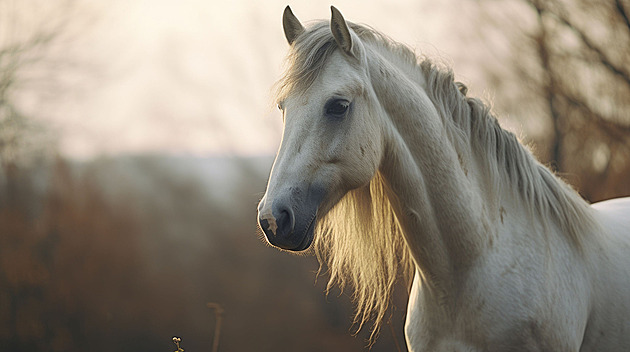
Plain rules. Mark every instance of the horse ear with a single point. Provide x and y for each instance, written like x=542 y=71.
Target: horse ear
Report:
x=340 y=31
x=292 y=26
x=462 y=88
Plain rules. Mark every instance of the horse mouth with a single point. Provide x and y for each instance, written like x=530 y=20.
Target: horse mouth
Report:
x=308 y=236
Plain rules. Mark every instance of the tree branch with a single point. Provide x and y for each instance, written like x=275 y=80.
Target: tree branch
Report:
x=620 y=132
x=603 y=58
x=549 y=87
x=622 y=12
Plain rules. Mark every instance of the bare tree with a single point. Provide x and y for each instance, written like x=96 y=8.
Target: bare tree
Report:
x=570 y=62
x=15 y=126
x=34 y=36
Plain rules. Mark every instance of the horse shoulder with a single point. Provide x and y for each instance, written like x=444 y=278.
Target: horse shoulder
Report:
x=503 y=306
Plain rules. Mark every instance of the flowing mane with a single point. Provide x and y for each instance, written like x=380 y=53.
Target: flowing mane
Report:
x=511 y=166
x=360 y=238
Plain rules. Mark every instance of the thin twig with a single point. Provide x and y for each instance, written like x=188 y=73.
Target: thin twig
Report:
x=218 y=313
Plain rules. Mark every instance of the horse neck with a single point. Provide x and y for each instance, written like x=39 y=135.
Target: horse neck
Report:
x=436 y=200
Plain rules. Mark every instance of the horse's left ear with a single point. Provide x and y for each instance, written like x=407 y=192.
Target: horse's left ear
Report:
x=340 y=31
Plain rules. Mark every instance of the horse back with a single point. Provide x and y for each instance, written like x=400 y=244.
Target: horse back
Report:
x=608 y=328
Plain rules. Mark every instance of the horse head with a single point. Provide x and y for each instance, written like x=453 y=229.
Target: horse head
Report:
x=331 y=141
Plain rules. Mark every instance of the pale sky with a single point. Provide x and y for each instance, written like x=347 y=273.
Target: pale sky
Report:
x=194 y=76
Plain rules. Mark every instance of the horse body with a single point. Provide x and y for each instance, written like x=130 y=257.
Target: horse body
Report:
x=486 y=280
x=513 y=298
x=385 y=159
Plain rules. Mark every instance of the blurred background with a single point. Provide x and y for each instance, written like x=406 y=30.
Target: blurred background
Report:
x=136 y=138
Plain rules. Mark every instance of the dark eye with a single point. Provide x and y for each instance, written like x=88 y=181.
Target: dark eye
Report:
x=337 y=107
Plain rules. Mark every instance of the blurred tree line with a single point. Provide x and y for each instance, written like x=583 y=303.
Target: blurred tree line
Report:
x=123 y=254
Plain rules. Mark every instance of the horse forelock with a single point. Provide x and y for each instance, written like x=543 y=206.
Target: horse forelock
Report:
x=311 y=50
x=306 y=58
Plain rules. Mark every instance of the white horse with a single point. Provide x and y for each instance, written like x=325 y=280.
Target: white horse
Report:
x=385 y=163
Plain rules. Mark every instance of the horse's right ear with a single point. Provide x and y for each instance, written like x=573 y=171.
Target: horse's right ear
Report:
x=292 y=26
x=340 y=31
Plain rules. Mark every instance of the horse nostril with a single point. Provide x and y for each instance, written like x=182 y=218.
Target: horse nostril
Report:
x=285 y=221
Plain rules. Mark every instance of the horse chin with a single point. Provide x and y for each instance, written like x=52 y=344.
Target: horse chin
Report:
x=309 y=235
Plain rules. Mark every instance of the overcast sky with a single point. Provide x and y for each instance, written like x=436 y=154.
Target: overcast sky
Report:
x=194 y=76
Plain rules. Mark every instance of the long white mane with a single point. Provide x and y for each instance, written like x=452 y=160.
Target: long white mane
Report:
x=511 y=166
x=360 y=239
